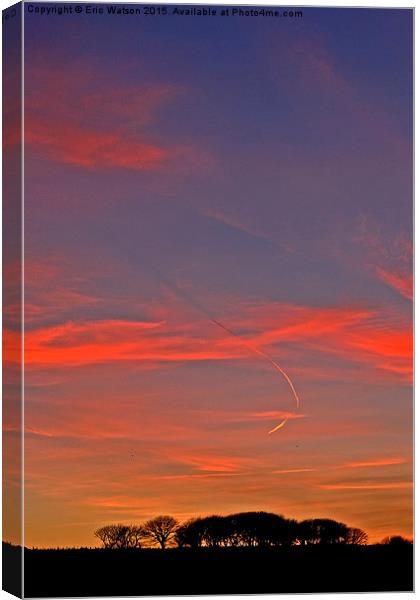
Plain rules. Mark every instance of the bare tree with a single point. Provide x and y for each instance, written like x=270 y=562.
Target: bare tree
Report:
x=135 y=535
x=120 y=536
x=161 y=529
x=356 y=536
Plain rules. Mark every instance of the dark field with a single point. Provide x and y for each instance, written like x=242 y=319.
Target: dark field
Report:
x=337 y=568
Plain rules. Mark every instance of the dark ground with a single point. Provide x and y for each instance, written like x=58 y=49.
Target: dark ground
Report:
x=220 y=571
x=12 y=569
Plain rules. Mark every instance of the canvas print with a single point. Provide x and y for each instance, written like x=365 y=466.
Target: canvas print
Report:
x=207 y=320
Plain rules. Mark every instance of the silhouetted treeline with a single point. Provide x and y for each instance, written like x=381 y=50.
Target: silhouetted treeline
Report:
x=158 y=531
x=247 y=529
x=396 y=540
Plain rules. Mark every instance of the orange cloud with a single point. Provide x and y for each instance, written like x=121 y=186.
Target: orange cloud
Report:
x=367 y=486
x=388 y=344
x=197 y=475
x=134 y=456
x=382 y=462
x=211 y=462
x=267 y=415
x=367 y=336
x=287 y=471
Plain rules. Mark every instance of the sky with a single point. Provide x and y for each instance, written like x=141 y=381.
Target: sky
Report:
x=252 y=171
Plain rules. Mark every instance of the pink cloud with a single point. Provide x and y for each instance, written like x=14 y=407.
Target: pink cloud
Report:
x=401 y=282
x=92 y=149
x=107 y=126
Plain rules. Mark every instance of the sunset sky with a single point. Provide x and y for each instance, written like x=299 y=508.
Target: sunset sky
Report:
x=252 y=171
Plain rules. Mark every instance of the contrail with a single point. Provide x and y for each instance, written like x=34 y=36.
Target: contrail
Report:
x=193 y=302
x=189 y=300
x=279 y=426
x=270 y=360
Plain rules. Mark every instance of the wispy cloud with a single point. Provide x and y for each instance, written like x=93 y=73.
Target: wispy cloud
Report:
x=358 y=335
x=234 y=222
x=380 y=462
x=367 y=486
x=389 y=258
x=105 y=130
x=401 y=282
x=93 y=149
x=288 y=471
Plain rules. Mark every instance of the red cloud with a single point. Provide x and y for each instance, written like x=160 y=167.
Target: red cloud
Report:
x=91 y=149
x=361 y=336
x=105 y=122
x=366 y=336
x=12 y=346
x=103 y=342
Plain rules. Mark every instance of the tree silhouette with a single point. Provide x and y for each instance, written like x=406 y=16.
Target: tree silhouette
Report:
x=161 y=529
x=120 y=536
x=215 y=531
x=250 y=529
x=396 y=540
x=262 y=529
x=322 y=531
x=356 y=536
x=190 y=534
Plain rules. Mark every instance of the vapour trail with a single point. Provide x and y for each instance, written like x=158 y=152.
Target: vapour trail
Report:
x=270 y=360
x=189 y=300
x=183 y=294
